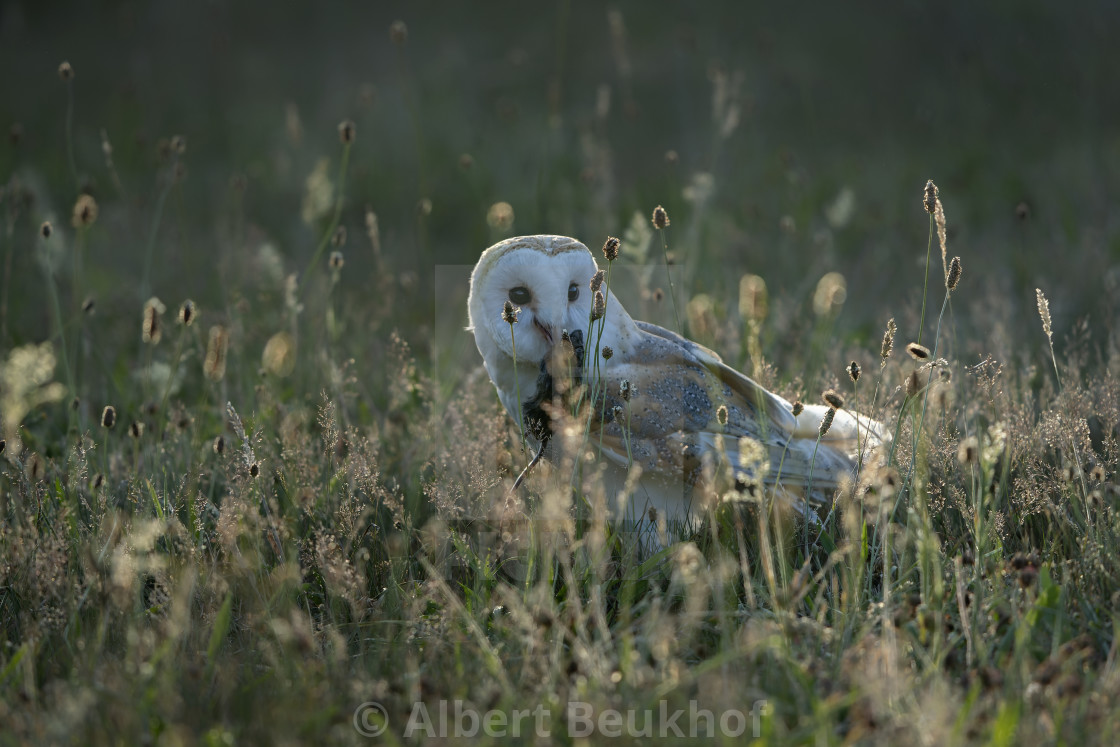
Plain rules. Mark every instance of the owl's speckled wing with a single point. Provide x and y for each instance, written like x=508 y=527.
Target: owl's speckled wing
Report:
x=671 y=421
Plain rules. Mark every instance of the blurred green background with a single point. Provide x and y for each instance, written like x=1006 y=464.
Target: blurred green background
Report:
x=818 y=125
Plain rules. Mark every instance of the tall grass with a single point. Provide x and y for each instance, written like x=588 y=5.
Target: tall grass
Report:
x=284 y=525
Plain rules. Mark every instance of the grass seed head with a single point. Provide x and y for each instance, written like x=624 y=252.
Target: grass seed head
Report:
x=45 y=230
x=347 y=131
x=151 y=329
x=969 y=451
x=929 y=199
x=598 y=306
x=35 y=469
x=65 y=71
x=597 y=280
x=89 y=306
x=753 y=300
x=830 y=295
x=797 y=408
x=888 y=339
x=215 y=364
x=398 y=33
x=954 y=275
x=916 y=351
x=336 y=260
x=254 y=469
x=913 y=383
x=135 y=429
x=187 y=313
x=942 y=232
x=509 y=313
x=279 y=355
x=625 y=390
x=610 y=248
x=219 y=445
x=854 y=371
x=721 y=415
x=500 y=216
x=85 y=212
x=833 y=399
x=1044 y=313
x=826 y=421
x=660 y=218
x=338 y=238
x=108 y=417
x=608 y=351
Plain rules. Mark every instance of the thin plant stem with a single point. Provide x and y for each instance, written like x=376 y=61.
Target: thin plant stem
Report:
x=669 y=275
x=70 y=132
x=145 y=282
x=925 y=283
x=326 y=239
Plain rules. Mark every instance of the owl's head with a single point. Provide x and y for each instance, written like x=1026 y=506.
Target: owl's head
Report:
x=547 y=277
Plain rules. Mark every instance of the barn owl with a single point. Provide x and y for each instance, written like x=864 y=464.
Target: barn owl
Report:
x=659 y=406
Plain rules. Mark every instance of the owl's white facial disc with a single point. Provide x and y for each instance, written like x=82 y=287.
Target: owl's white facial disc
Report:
x=548 y=278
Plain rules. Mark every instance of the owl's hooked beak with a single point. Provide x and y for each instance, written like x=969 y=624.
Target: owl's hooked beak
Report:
x=545 y=330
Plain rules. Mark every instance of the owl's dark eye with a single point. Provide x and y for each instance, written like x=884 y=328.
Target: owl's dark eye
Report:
x=573 y=292
x=520 y=295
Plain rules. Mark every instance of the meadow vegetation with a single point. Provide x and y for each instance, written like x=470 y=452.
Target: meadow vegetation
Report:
x=254 y=475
